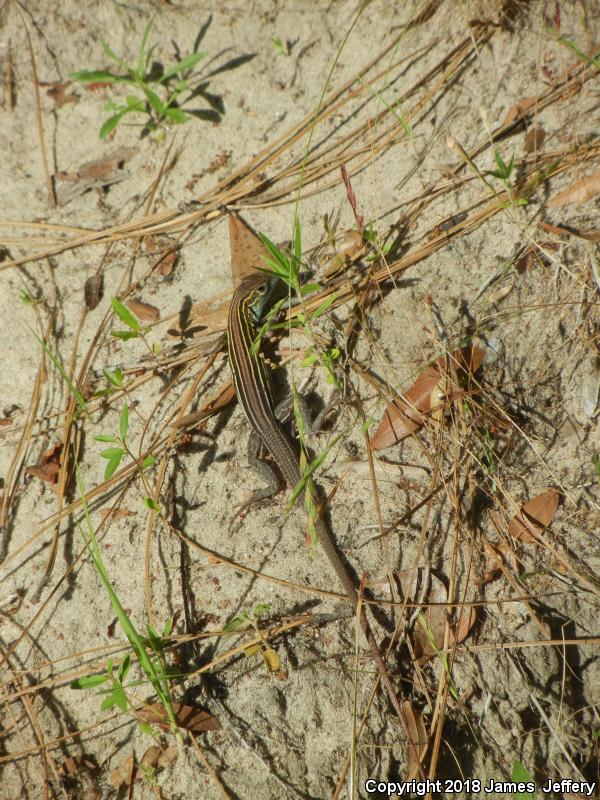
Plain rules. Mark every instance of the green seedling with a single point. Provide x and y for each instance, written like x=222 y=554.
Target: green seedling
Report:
x=504 y=173
x=157 y=90
x=114 y=455
x=136 y=330
x=281 y=46
x=250 y=620
x=371 y=236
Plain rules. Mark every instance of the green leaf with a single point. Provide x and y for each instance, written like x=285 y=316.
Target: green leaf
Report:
x=309 y=359
x=116 y=378
x=261 y=610
x=116 y=698
x=521 y=775
x=297 y=239
x=124 y=421
x=89 y=682
x=167 y=627
x=93 y=76
x=112 y=466
x=320 y=310
x=117 y=59
x=155 y=101
x=186 y=63
x=124 y=668
x=135 y=103
x=104 y=437
x=309 y=288
x=111 y=123
x=112 y=452
x=148 y=462
x=125 y=335
x=151 y=503
x=142 y=60
x=176 y=114
x=125 y=314
x=251 y=650
x=145 y=727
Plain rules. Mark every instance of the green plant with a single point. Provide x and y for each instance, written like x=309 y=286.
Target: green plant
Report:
x=153 y=666
x=136 y=331
x=504 y=173
x=158 y=91
x=114 y=455
x=249 y=620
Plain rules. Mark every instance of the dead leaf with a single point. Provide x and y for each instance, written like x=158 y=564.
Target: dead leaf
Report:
x=578 y=192
x=143 y=311
x=534 y=139
x=94 y=174
x=518 y=109
x=215 y=403
x=48 y=467
x=70 y=766
x=116 y=513
x=187 y=717
x=272 y=660
x=58 y=93
x=168 y=756
x=167 y=250
x=430 y=627
x=410 y=411
x=350 y=245
x=150 y=757
x=467 y=619
x=122 y=774
x=92 y=291
x=529 y=523
x=590 y=236
x=417 y=734
x=246 y=249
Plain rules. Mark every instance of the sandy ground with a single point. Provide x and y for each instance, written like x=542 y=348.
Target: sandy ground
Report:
x=522 y=684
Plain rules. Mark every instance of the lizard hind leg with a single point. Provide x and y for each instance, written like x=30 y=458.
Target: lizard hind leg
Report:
x=256 y=460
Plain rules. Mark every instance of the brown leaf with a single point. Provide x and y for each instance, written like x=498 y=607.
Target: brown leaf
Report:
x=143 y=311
x=167 y=262
x=122 y=774
x=48 y=467
x=409 y=412
x=431 y=626
x=246 y=249
x=518 y=109
x=578 y=192
x=467 y=619
x=272 y=660
x=150 y=757
x=418 y=739
x=529 y=523
x=534 y=139
x=168 y=756
x=97 y=173
x=188 y=717
x=58 y=93
x=92 y=291
x=220 y=399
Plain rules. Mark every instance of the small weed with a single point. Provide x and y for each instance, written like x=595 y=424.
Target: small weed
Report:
x=153 y=666
x=114 y=455
x=250 y=620
x=170 y=83
x=136 y=331
x=281 y=46
x=504 y=173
